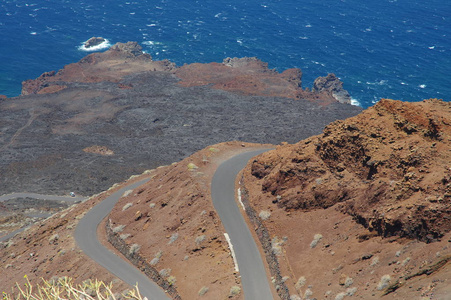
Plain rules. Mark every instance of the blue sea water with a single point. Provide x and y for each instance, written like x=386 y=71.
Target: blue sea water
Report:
x=399 y=49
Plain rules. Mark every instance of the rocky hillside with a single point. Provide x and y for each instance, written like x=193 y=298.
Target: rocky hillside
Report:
x=377 y=184
x=388 y=167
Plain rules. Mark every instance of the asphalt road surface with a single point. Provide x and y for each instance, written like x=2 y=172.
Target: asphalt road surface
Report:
x=86 y=238
x=253 y=276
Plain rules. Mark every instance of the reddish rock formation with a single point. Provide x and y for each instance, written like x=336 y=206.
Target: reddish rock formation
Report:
x=389 y=168
x=120 y=60
x=248 y=75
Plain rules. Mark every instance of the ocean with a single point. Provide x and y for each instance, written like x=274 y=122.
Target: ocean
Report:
x=398 y=49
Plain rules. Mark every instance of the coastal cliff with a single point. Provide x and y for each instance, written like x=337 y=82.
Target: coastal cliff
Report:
x=248 y=75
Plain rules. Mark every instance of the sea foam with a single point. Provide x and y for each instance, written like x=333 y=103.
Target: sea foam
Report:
x=104 y=45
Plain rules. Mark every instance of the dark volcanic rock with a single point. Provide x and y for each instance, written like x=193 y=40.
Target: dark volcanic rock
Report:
x=153 y=121
x=94 y=41
x=333 y=86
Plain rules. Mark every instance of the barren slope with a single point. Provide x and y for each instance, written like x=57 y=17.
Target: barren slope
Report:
x=376 y=188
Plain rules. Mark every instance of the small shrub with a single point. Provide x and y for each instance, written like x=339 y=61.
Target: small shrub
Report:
x=340 y=296
x=375 y=261
x=127 y=206
x=172 y=280
x=351 y=291
x=383 y=283
x=152 y=205
x=300 y=283
x=307 y=293
x=285 y=278
x=54 y=238
x=134 y=249
x=165 y=272
x=276 y=246
x=316 y=239
x=406 y=261
x=200 y=239
x=398 y=253
x=192 y=166
x=348 y=282
x=127 y=193
x=154 y=261
x=203 y=291
x=118 y=228
x=234 y=290
x=124 y=236
x=159 y=254
x=295 y=297
x=173 y=238
x=264 y=215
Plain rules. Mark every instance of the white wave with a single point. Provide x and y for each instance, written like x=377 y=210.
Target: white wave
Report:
x=151 y=25
x=106 y=44
x=308 y=25
x=355 y=102
x=422 y=86
x=382 y=82
x=33 y=33
x=239 y=42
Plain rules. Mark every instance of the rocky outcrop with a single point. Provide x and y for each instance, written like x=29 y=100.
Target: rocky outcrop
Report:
x=120 y=60
x=247 y=75
x=333 y=86
x=388 y=167
x=129 y=49
x=94 y=41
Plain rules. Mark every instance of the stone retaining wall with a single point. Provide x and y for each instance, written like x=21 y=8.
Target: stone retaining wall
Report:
x=140 y=262
x=265 y=241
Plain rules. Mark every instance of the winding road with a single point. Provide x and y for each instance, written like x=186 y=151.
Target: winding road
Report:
x=86 y=238
x=253 y=275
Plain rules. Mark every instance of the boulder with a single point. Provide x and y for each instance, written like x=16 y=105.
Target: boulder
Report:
x=333 y=86
x=94 y=41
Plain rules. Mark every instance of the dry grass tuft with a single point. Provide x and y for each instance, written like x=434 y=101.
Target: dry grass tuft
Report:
x=64 y=288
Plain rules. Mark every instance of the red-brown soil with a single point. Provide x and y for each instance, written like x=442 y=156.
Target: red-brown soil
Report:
x=181 y=204
x=377 y=188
